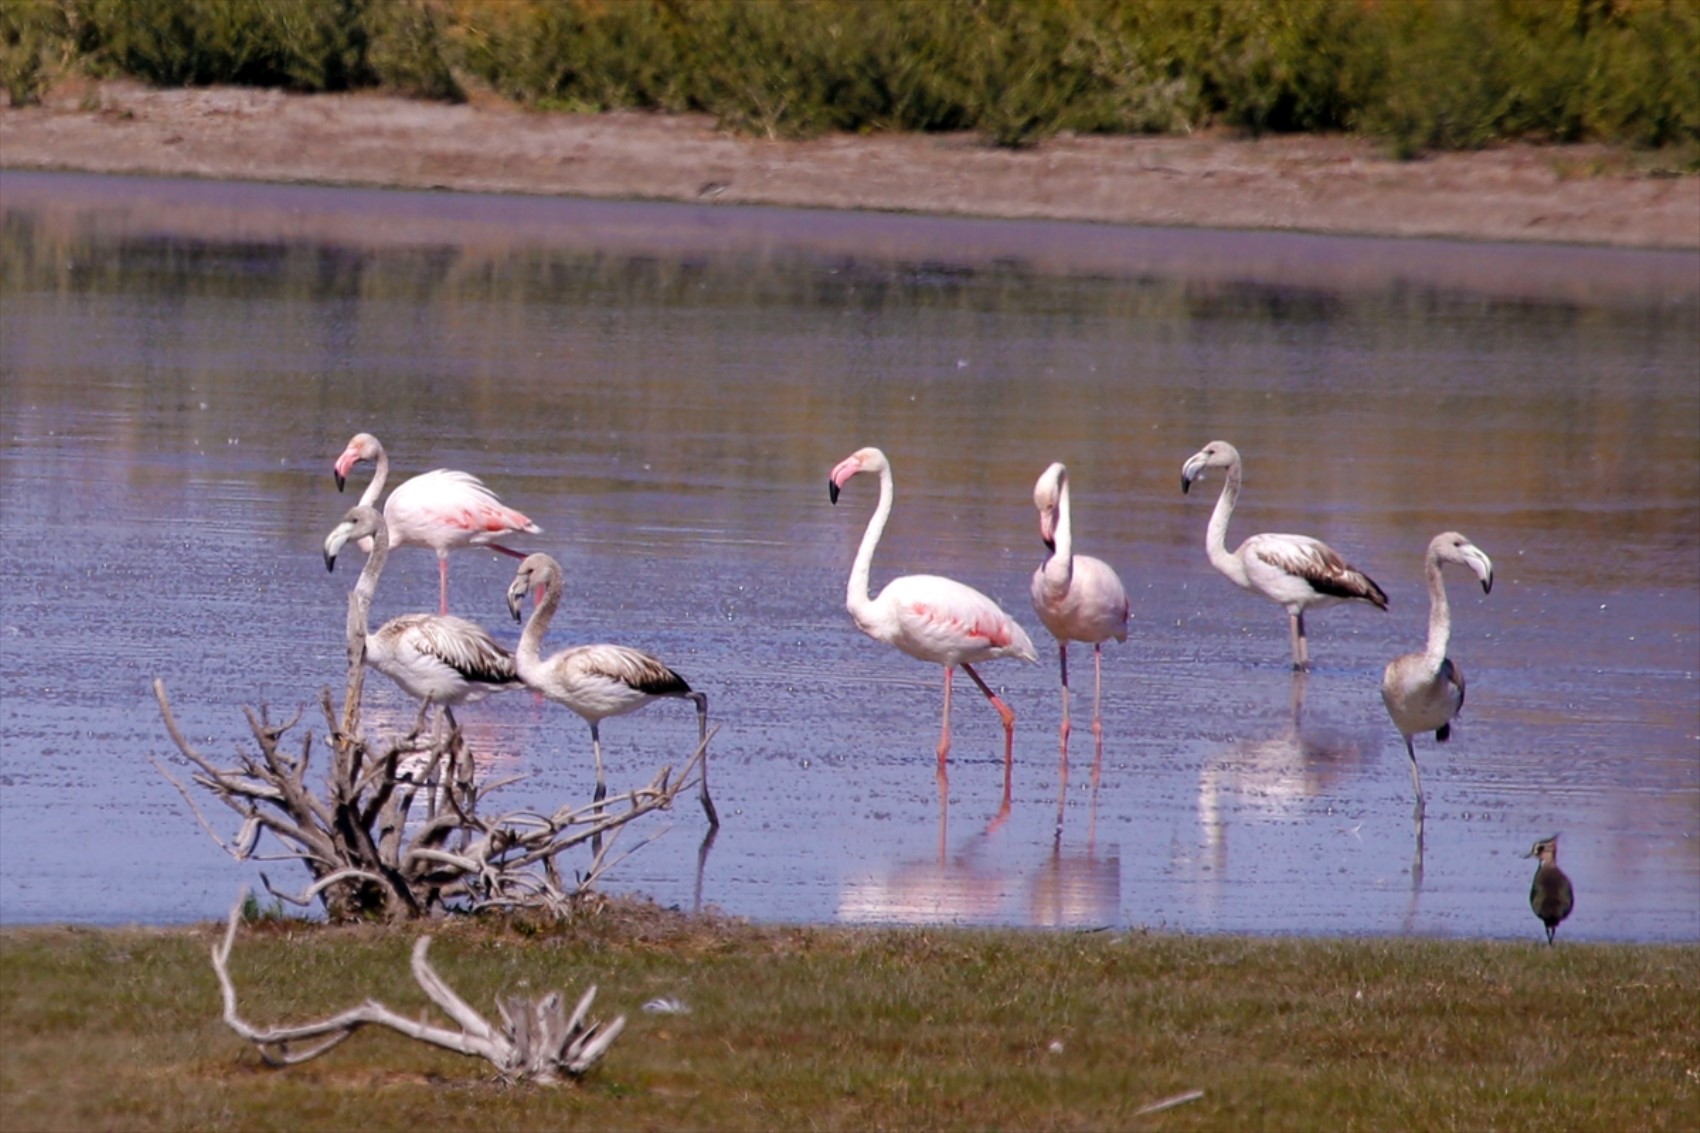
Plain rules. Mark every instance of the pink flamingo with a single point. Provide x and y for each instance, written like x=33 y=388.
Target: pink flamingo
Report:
x=931 y=618
x=1079 y=598
x=443 y=509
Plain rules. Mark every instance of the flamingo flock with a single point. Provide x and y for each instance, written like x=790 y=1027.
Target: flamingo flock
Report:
x=446 y=661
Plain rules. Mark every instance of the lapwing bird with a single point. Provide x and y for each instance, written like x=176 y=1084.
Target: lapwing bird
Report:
x=1550 y=895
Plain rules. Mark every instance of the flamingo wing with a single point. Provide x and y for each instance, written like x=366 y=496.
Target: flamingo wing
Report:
x=463 y=646
x=945 y=621
x=445 y=508
x=1315 y=563
x=633 y=667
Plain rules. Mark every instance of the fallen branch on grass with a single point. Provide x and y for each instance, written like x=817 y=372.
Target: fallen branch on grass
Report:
x=537 y=1041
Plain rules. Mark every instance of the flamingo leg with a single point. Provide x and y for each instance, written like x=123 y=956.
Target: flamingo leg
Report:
x=1008 y=718
x=601 y=786
x=1301 y=647
x=944 y=733
x=1097 y=714
x=1416 y=777
x=1067 y=727
x=596 y=750
x=442 y=583
x=702 y=745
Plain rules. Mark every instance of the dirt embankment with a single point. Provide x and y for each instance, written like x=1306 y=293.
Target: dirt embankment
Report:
x=1582 y=194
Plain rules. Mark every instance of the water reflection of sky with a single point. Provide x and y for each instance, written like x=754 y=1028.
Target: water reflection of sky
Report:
x=664 y=389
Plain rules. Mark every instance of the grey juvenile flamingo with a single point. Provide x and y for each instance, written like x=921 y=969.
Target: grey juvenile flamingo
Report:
x=437 y=658
x=1296 y=571
x=595 y=681
x=1424 y=691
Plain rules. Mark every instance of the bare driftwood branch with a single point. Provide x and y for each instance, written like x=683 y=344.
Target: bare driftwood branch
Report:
x=366 y=845
x=537 y=1041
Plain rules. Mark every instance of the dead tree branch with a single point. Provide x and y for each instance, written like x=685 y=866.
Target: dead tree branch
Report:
x=366 y=845
x=537 y=1041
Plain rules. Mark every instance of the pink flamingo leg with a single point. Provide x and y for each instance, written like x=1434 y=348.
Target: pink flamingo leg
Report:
x=1097 y=717
x=1062 y=757
x=1008 y=717
x=944 y=734
x=442 y=583
x=1067 y=726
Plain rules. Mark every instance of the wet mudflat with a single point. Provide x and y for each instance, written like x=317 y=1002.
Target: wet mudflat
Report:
x=664 y=388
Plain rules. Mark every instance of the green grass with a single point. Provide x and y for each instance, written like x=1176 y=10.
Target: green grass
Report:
x=1420 y=74
x=853 y=1029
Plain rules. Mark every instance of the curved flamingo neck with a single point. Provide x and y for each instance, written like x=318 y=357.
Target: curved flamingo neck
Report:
x=1059 y=568
x=1439 y=614
x=1216 y=536
x=529 y=655
x=360 y=598
x=380 y=475
x=856 y=597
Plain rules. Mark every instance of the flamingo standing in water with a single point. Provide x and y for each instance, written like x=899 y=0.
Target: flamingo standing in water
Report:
x=596 y=681
x=443 y=509
x=1425 y=691
x=931 y=618
x=1296 y=571
x=436 y=658
x=1079 y=598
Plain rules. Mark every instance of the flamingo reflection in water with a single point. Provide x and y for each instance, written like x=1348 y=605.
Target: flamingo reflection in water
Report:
x=931 y=619
x=1273 y=778
x=1076 y=890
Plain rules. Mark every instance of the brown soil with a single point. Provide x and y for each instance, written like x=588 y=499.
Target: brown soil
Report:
x=1581 y=194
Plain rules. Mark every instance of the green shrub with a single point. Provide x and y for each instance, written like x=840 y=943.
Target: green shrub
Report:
x=408 y=52
x=30 y=32
x=1423 y=74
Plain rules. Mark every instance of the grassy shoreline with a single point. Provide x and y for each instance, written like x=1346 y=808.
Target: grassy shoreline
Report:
x=854 y=1028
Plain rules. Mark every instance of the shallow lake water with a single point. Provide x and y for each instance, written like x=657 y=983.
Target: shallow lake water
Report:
x=664 y=389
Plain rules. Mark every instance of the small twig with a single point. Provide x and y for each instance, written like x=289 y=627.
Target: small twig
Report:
x=1169 y=1103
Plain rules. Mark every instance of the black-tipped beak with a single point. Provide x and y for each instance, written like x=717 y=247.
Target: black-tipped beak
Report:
x=832 y=491
x=340 y=481
x=515 y=597
x=1050 y=545
x=1487 y=585
x=330 y=561
x=1186 y=482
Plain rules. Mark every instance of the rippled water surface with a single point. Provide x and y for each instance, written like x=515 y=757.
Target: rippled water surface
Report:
x=664 y=389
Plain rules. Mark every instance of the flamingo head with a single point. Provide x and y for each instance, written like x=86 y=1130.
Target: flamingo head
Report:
x=362 y=446
x=1216 y=454
x=1546 y=850
x=1451 y=547
x=862 y=460
x=1047 y=497
x=538 y=571
x=358 y=523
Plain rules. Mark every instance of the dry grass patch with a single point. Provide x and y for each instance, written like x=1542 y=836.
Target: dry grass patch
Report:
x=846 y=1029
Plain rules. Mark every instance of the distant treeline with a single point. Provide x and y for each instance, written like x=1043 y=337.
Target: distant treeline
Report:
x=1422 y=74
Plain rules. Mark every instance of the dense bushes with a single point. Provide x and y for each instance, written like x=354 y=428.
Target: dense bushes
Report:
x=1424 y=74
